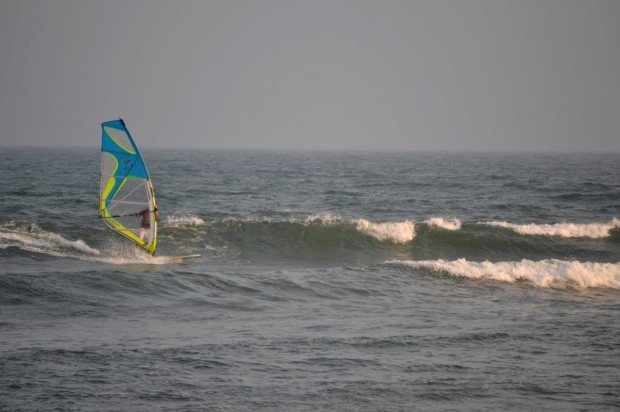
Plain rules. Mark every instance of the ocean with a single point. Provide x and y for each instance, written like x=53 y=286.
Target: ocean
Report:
x=328 y=281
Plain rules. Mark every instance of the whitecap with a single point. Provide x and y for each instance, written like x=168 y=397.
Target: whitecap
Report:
x=323 y=218
x=32 y=238
x=183 y=219
x=397 y=232
x=543 y=273
x=590 y=230
x=446 y=224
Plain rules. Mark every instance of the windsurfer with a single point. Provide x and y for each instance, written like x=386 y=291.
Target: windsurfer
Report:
x=145 y=222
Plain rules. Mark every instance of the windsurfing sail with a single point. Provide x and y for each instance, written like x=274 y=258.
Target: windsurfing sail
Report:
x=126 y=196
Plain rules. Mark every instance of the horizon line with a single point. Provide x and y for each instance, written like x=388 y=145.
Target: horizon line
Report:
x=326 y=150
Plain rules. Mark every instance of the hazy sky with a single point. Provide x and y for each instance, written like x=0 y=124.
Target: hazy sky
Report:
x=389 y=75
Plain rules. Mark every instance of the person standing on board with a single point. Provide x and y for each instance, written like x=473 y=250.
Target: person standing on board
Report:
x=145 y=222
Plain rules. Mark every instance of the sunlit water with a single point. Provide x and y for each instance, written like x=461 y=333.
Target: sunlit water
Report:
x=340 y=281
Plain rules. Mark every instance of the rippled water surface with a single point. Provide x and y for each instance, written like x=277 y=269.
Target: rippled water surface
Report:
x=330 y=281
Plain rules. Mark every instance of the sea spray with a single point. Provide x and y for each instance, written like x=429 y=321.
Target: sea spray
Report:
x=30 y=238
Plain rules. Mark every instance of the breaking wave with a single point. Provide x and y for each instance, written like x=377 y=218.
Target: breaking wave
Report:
x=590 y=230
x=183 y=219
x=405 y=231
x=397 y=232
x=31 y=238
x=321 y=238
x=543 y=273
x=447 y=224
x=320 y=218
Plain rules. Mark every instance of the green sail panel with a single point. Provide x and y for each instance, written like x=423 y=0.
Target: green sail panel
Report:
x=126 y=196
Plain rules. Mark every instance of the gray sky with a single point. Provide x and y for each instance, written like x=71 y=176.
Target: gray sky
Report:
x=388 y=75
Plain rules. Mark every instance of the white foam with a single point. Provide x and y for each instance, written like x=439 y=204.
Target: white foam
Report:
x=543 y=273
x=322 y=218
x=31 y=238
x=591 y=230
x=397 y=232
x=446 y=224
x=35 y=239
x=137 y=258
x=184 y=219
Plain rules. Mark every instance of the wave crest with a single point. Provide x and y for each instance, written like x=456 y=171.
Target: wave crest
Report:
x=397 y=232
x=590 y=230
x=446 y=224
x=183 y=219
x=322 y=218
x=543 y=273
x=30 y=237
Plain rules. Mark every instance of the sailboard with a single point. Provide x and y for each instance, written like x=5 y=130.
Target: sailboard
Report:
x=181 y=259
x=126 y=197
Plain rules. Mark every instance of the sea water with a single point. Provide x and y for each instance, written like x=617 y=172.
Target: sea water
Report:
x=329 y=281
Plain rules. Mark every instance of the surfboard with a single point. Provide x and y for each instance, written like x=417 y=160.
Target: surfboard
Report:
x=181 y=259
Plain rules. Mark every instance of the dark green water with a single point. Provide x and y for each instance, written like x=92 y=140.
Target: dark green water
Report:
x=330 y=281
